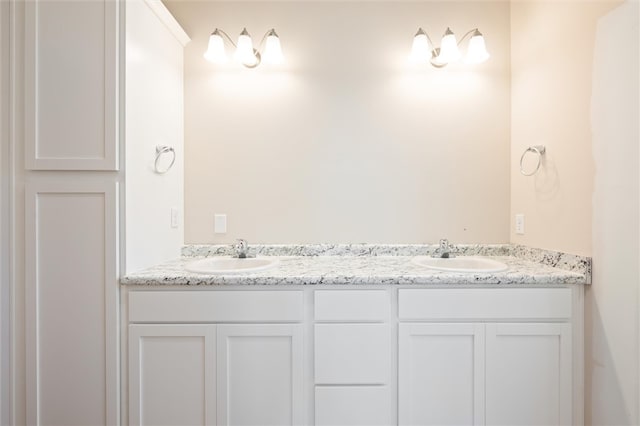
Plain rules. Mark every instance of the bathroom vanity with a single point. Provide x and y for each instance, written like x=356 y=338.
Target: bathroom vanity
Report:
x=354 y=340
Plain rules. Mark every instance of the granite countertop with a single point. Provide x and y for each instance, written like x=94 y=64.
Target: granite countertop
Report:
x=372 y=266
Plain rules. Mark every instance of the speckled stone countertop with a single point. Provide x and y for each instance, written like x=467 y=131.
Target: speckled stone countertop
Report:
x=372 y=265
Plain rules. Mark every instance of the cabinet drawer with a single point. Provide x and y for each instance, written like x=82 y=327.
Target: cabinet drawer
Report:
x=351 y=305
x=352 y=353
x=484 y=303
x=215 y=306
x=353 y=406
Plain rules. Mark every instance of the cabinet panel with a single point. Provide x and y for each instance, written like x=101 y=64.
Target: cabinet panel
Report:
x=352 y=353
x=351 y=305
x=71 y=69
x=71 y=303
x=484 y=303
x=441 y=374
x=259 y=375
x=352 y=406
x=528 y=374
x=172 y=375
x=215 y=306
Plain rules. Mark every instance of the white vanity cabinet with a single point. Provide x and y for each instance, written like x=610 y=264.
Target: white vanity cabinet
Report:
x=485 y=368
x=215 y=358
x=355 y=355
x=352 y=357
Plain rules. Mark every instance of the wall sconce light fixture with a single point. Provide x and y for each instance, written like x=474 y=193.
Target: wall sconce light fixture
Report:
x=423 y=49
x=245 y=53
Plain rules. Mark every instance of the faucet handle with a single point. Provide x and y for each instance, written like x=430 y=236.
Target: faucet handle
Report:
x=444 y=245
x=241 y=247
x=444 y=249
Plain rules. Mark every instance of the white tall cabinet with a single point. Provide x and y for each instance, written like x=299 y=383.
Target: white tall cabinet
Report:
x=70 y=140
x=71 y=215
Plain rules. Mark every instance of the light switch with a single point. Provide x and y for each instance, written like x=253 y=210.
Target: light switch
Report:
x=520 y=224
x=220 y=224
x=174 y=217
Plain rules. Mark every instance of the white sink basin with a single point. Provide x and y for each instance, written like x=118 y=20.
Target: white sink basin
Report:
x=461 y=264
x=230 y=265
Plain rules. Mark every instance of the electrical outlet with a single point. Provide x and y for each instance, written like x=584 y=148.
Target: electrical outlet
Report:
x=174 y=217
x=220 y=224
x=520 y=224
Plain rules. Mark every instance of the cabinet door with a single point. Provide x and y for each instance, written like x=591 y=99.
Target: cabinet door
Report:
x=352 y=406
x=259 y=374
x=352 y=354
x=71 y=69
x=528 y=374
x=71 y=303
x=172 y=375
x=441 y=374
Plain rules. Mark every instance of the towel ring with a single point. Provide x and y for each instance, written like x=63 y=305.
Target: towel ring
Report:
x=539 y=150
x=164 y=149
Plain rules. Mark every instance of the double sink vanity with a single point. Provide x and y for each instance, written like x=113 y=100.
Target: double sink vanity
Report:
x=356 y=335
x=443 y=259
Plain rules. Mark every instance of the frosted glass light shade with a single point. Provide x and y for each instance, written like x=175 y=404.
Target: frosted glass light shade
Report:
x=215 y=51
x=420 y=49
x=272 y=49
x=244 y=49
x=449 y=51
x=477 y=51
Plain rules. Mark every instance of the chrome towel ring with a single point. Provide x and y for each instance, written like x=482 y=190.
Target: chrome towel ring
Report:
x=539 y=150
x=164 y=149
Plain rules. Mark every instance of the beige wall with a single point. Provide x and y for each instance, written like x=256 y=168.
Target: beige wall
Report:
x=575 y=90
x=154 y=116
x=551 y=69
x=347 y=142
x=612 y=302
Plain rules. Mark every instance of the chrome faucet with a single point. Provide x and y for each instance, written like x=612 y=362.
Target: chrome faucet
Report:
x=445 y=249
x=241 y=248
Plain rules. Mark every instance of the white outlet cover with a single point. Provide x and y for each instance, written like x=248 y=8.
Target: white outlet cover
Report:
x=174 y=217
x=220 y=224
x=520 y=224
